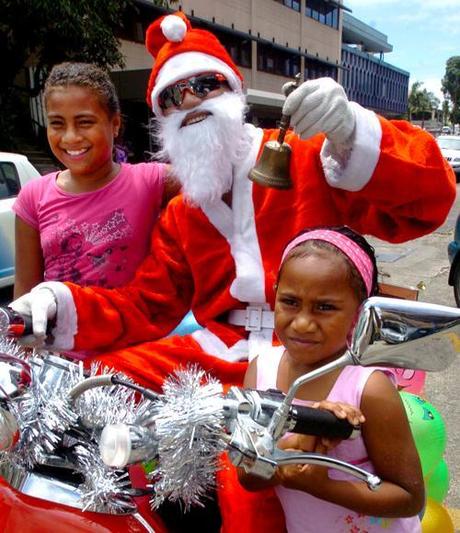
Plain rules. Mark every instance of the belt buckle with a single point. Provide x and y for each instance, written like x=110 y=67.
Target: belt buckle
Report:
x=253 y=318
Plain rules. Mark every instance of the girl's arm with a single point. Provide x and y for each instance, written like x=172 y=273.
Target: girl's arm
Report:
x=29 y=258
x=390 y=448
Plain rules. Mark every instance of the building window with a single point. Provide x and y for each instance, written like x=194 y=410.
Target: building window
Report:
x=293 y=4
x=240 y=49
x=275 y=61
x=316 y=69
x=373 y=84
x=323 y=12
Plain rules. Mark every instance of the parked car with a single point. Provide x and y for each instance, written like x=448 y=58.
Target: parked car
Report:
x=453 y=252
x=450 y=148
x=15 y=171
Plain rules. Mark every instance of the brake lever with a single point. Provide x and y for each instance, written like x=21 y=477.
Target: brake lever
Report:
x=247 y=449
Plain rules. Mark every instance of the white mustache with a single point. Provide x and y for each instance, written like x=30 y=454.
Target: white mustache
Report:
x=214 y=106
x=203 y=154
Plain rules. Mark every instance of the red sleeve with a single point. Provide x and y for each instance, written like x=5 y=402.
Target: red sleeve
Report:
x=411 y=190
x=409 y=194
x=147 y=308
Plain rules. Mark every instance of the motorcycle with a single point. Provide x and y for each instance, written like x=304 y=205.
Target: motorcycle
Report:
x=69 y=435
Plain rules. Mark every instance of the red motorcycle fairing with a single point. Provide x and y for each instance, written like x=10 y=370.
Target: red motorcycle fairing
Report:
x=25 y=514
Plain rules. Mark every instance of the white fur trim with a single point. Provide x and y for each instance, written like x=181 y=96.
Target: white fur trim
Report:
x=212 y=345
x=184 y=65
x=221 y=217
x=66 y=315
x=173 y=28
x=352 y=170
x=257 y=343
x=238 y=226
x=249 y=285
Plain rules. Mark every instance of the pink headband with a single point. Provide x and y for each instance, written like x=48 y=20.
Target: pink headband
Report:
x=353 y=251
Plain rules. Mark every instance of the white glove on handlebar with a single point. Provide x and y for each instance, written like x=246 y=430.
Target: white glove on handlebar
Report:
x=40 y=304
x=321 y=105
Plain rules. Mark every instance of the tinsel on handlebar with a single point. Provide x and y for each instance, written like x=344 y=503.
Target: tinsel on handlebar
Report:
x=55 y=415
x=95 y=423
x=55 y=431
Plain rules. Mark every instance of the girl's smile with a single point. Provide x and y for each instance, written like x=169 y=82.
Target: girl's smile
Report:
x=314 y=308
x=75 y=154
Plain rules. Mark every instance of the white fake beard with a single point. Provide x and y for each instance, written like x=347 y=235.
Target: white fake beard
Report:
x=202 y=155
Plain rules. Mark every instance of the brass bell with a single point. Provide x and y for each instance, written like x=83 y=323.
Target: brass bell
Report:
x=272 y=169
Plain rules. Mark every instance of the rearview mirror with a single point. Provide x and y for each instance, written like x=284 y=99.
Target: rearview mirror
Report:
x=405 y=334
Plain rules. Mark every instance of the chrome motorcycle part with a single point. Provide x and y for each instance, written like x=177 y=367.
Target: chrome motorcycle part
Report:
x=120 y=445
x=9 y=430
x=12 y=324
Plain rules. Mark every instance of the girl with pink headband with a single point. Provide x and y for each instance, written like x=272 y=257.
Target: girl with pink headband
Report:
x=325 y=275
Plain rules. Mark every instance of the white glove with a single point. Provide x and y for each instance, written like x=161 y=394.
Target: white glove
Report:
x=40 y=304
x=321 y=105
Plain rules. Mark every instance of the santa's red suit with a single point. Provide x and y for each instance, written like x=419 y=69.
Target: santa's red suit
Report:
x=221 y=260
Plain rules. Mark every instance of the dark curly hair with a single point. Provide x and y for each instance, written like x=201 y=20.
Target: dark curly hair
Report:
x=86 y=75
x=306 y=248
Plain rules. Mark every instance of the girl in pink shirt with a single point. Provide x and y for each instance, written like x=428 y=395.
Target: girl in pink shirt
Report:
x=90 y=223
x=325 y=275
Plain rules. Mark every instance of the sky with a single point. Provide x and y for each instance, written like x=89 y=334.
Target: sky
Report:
x=423 y=33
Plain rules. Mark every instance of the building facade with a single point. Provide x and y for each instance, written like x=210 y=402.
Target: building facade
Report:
x=366 y=77
x=270 y=41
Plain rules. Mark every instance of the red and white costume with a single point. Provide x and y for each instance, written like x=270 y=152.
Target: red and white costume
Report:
x=218 y=259
x=393 y=184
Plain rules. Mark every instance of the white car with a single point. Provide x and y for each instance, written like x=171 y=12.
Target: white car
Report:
x=450 y=149
x=15 y=171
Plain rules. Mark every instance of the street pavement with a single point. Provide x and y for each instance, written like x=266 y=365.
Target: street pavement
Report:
x=423 y=262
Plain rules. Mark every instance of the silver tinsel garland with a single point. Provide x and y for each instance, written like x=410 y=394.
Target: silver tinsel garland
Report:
x=104 y=489
x=45 y=414
x=189 y=426
x=11 y=348
x=187 y=420
x=100 y=406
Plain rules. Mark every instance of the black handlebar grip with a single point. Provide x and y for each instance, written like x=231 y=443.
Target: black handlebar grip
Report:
x=318 y=422
x=13 y=324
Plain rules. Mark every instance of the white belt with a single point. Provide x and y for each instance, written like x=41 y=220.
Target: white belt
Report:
x=253 y=318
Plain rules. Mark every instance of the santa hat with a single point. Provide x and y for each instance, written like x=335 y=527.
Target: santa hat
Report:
x=181 y=51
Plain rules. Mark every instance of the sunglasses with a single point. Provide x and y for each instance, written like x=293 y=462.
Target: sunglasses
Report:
x=199 y=86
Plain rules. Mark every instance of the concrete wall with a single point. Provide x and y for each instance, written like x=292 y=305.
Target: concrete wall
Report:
x=269 y=19
x=264 y=19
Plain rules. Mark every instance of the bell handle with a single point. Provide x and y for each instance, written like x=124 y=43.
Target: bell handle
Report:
x=286 y=119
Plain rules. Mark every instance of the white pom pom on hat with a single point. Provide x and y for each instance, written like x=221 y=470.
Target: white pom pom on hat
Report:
x=173 y=28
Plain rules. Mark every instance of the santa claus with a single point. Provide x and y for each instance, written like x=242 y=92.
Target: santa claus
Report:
x=217 y=247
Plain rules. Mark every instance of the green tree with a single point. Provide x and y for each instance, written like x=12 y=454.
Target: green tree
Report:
x=445 y=111
x=451 y=86
x=41 y=33
x=421 y=102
